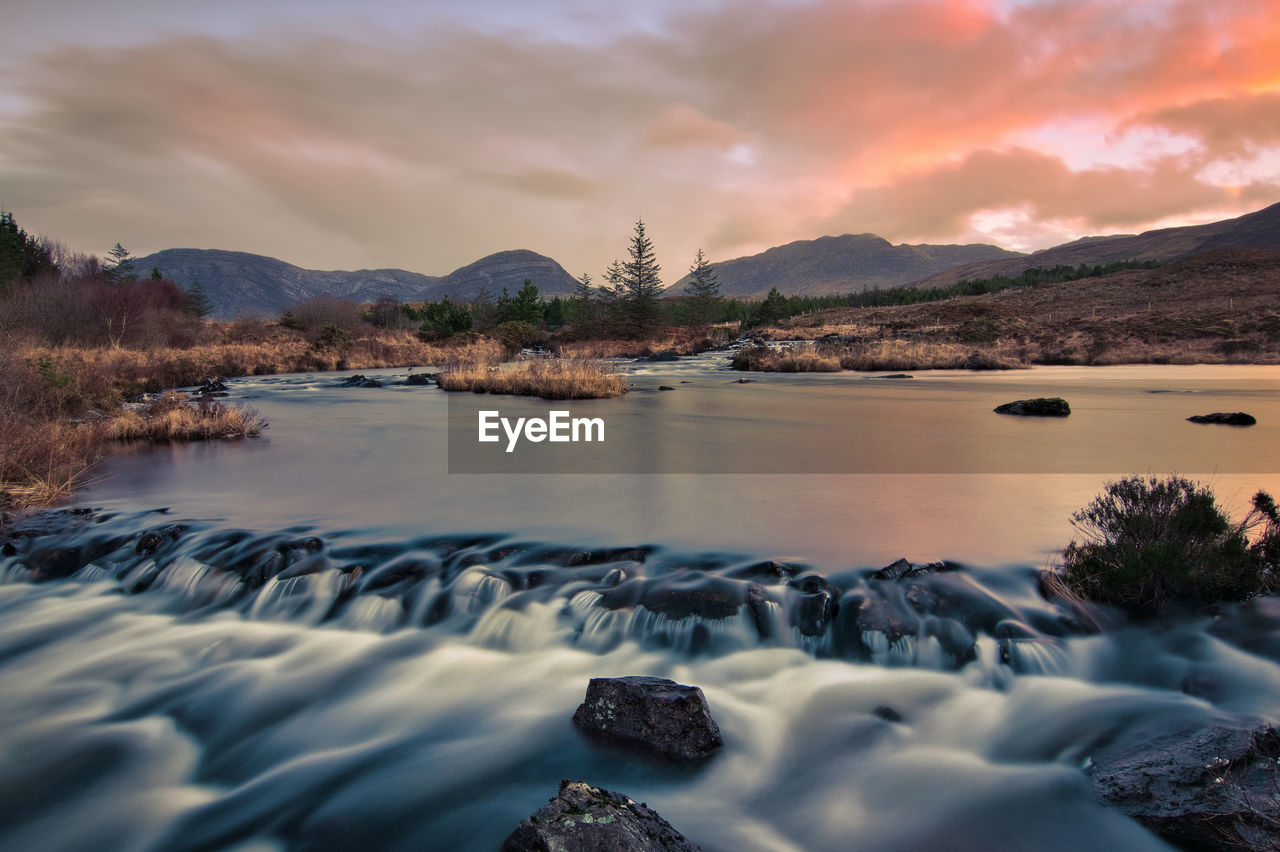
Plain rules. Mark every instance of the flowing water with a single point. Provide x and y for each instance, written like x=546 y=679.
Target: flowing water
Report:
x=323 y=639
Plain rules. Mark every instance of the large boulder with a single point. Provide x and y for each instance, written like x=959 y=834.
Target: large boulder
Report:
x=1042 y=406
x=1210 y=789
x=653 y=716
x=583 y=818
x=1225 y=418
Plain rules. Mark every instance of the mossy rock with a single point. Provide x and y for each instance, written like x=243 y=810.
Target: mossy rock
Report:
x=1043 y=406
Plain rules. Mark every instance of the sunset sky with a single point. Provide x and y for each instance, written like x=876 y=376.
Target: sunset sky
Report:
x=424 y=135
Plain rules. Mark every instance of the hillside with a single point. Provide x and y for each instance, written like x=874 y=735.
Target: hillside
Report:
x=844 y=264
x=1257 y=230
x=1217 y=306
x=242 y=284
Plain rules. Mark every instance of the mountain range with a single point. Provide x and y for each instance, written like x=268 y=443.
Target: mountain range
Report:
x=238 y=283
x=241 y=284
x=1257 y=230
x=844 y=264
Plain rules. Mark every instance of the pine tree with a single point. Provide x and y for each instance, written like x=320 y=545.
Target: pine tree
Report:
x=119 y=266
x=703 y=290
x=483 y=311
x=197 y=301
x=582 y=303
x=155 y=274
x=642 y=284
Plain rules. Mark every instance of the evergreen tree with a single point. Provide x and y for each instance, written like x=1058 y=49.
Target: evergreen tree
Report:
x=483 y=311
x=118 y=268
x=22 y=256
x=704 y=292
x=556 y=314
x=155 y=274
x=772 y=309
x=197 y=301
x=524 y=306
x=642 y=284
x=582 y=303
x=444 y=319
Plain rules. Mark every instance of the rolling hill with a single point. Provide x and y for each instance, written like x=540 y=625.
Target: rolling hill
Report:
x=242 y=284
x=844 y=264
x=1257 y=230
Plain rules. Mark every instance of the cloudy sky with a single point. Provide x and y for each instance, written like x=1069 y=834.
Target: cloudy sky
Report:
x=424 y=135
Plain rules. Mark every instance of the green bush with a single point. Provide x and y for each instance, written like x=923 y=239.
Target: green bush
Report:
x=1149 y=541
x=515 y=334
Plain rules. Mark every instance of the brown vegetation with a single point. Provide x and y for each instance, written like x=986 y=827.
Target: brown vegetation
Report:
x=876 y=355
x=1221 y=307
x=558 y=378
x=173 y=418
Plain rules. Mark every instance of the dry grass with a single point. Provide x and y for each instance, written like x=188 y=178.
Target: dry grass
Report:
x=1216 y=308
x=41 y=462
x=103 y=376
x=875 y=356
x=681 y=341
x=172 y=418
x=552 y=378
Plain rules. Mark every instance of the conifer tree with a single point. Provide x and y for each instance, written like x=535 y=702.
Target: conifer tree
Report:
x=703 y=291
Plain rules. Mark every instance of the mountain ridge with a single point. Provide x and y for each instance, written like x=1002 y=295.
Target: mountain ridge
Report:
x=242 y=284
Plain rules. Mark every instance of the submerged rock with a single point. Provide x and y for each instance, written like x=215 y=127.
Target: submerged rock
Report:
x=211 y=387
x=1234 y=418
x=1043 y=406
x=665 y=387
x=419 y=378
x=582 y=818
x=653 y=715
x=359 y=381
x=1212 y=789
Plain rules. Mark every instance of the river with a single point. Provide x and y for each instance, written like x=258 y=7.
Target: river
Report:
x=324 y=639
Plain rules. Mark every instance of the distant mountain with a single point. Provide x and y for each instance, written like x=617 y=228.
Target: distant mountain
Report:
x=1258 y=230
x=242 y=284
x=850 y=263
x=505 y=269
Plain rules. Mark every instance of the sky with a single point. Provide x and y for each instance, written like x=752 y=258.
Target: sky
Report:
x=425 y=135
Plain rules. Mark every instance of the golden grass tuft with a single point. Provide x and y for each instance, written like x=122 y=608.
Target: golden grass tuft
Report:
x=172 y=418
x=551 y=378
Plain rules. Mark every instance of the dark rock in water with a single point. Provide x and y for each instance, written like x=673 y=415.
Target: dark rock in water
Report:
x=744 y=381
x=1235 y=418
x=894 y=376
x=758 y=604
x=894 y=570
x=692 y=593
x=652 y=715
x=665 y=387
x=1043 y=406
x=8 y=549
x=211 y=387
x=419 y=379
x=152 y=540
x=359 y=381
x=902 y=568
x=887 y=713
x=1208 y=789
x=663 y=355
x=582 y=818
x=812 y=603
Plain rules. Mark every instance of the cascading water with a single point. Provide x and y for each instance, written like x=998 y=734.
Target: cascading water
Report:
x=273 y=664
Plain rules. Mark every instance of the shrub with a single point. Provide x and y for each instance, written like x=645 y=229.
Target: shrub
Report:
x=1149 y=541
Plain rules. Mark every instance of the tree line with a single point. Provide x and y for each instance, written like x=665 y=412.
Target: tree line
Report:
x=60 y=297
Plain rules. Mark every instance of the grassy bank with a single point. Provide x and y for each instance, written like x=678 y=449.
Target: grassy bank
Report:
x=553 y=378
x=62 y=408
x=1216 y=308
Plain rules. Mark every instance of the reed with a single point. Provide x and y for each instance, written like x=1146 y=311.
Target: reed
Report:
x=551 y=378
